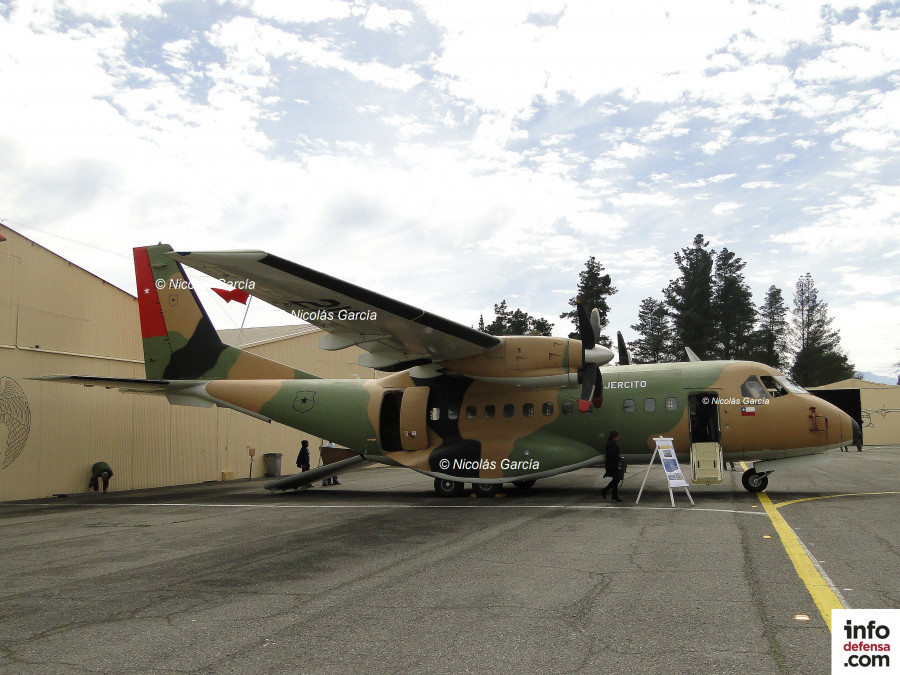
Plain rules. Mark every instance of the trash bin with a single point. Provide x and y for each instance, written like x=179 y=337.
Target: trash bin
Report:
x=273 y=464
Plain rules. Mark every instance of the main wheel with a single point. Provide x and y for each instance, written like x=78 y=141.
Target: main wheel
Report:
x=754 y=482
x=524 y=484
x=448 y=488
x=486 y=489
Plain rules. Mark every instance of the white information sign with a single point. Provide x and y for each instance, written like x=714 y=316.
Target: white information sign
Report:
x=670 y=462
x=674 y=477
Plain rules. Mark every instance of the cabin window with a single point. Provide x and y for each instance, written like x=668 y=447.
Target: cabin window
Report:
x=671 y=403
x=471 y=412
x=489 y=411
x=453 y=413
x=509 y=410
x=649 y=405
x=547 y=409
x=435 y=414
x=753 y=388
x=528 y=409
x=567 y=407
x=628 y=405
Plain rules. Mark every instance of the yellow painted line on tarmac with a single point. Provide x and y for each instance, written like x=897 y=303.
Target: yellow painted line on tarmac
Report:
x=820 y=590
x=849 y=494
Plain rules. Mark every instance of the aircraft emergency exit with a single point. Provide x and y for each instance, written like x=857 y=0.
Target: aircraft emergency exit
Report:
x=454 y=403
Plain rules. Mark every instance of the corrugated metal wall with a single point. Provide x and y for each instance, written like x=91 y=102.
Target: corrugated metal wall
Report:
x=56 y=318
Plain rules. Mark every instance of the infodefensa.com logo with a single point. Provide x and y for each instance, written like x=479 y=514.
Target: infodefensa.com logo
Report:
x=865 y=640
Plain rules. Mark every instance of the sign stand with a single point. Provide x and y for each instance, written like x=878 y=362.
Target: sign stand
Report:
x=252 y=452
x=666 y=451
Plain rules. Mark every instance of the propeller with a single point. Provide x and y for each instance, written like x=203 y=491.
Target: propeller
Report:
x=592 y=357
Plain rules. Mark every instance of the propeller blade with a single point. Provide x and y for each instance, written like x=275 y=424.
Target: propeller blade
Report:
x=588 y=383
x=597 y=398
x=585 y=330
x=624 y=354
x=595 y=324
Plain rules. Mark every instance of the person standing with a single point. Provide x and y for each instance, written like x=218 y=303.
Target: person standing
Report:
x=303 y=456
x=303 y=460
x=331 y=480
x=613 y=459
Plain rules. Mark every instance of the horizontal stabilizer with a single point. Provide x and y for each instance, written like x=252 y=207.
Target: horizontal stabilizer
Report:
x=139 y=386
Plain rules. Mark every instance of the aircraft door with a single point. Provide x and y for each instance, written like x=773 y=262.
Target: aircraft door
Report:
x=414 y=419
x=704 y=414
x=389 y=420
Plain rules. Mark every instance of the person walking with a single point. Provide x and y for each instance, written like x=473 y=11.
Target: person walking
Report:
x=613 y=459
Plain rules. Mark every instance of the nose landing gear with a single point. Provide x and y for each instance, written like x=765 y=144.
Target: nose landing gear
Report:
x=755 y=482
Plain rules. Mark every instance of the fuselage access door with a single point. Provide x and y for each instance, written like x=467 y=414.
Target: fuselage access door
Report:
x=403 y=422
x=706 y=452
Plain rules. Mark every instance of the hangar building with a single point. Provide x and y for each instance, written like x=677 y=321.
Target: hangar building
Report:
x=58 y=319
x=875 y=406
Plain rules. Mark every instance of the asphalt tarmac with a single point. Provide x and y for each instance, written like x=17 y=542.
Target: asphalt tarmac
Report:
x=378 y=575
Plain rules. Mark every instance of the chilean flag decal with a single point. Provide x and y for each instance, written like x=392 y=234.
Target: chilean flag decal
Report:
x=235 y=294
x=748 y=411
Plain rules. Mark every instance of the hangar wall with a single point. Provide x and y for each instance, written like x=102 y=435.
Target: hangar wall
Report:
x=56 y=318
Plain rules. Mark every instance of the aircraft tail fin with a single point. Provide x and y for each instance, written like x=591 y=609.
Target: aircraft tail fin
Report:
x=180 y=342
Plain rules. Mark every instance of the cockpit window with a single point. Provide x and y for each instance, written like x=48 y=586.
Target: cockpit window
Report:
x=790 y=385
x=774 y=388
x=779 y=385
x=752 y=388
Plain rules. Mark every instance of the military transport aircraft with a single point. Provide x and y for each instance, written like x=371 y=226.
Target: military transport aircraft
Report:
x=454 y=403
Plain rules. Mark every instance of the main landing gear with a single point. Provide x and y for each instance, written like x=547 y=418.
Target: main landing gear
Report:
x=448 y=488
x=451 y=488
x=755 y=482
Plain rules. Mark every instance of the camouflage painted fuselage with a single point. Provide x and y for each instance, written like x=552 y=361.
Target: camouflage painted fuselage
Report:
x=456 y=427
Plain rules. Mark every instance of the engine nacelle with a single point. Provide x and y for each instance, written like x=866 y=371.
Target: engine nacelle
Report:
x=529 y=360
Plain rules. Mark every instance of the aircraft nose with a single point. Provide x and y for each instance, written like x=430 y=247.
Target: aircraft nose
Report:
x=849 y=428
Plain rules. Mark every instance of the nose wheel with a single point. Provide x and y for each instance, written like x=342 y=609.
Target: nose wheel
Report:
x=755 y=482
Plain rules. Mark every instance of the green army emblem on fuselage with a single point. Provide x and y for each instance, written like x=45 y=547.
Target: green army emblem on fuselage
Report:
x=304 y=401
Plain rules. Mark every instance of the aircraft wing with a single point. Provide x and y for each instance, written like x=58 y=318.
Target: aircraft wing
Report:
x=395 y=335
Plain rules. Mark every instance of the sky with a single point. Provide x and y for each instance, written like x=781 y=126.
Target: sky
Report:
x=452 y=154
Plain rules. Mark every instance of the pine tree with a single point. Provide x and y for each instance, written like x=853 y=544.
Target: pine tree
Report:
x=690 y=299
x=516 y=322
x=732 y=308
x=654 y=327
x=819 y=359
x=770 y=340
x=594 y=288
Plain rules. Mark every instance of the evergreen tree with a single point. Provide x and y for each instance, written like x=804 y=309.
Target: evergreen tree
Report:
x=516 y=322
x=770 y=339
x=690 y=298
x=819 y=359
x=654 y=327
x=593 y=289
x=732 y=307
